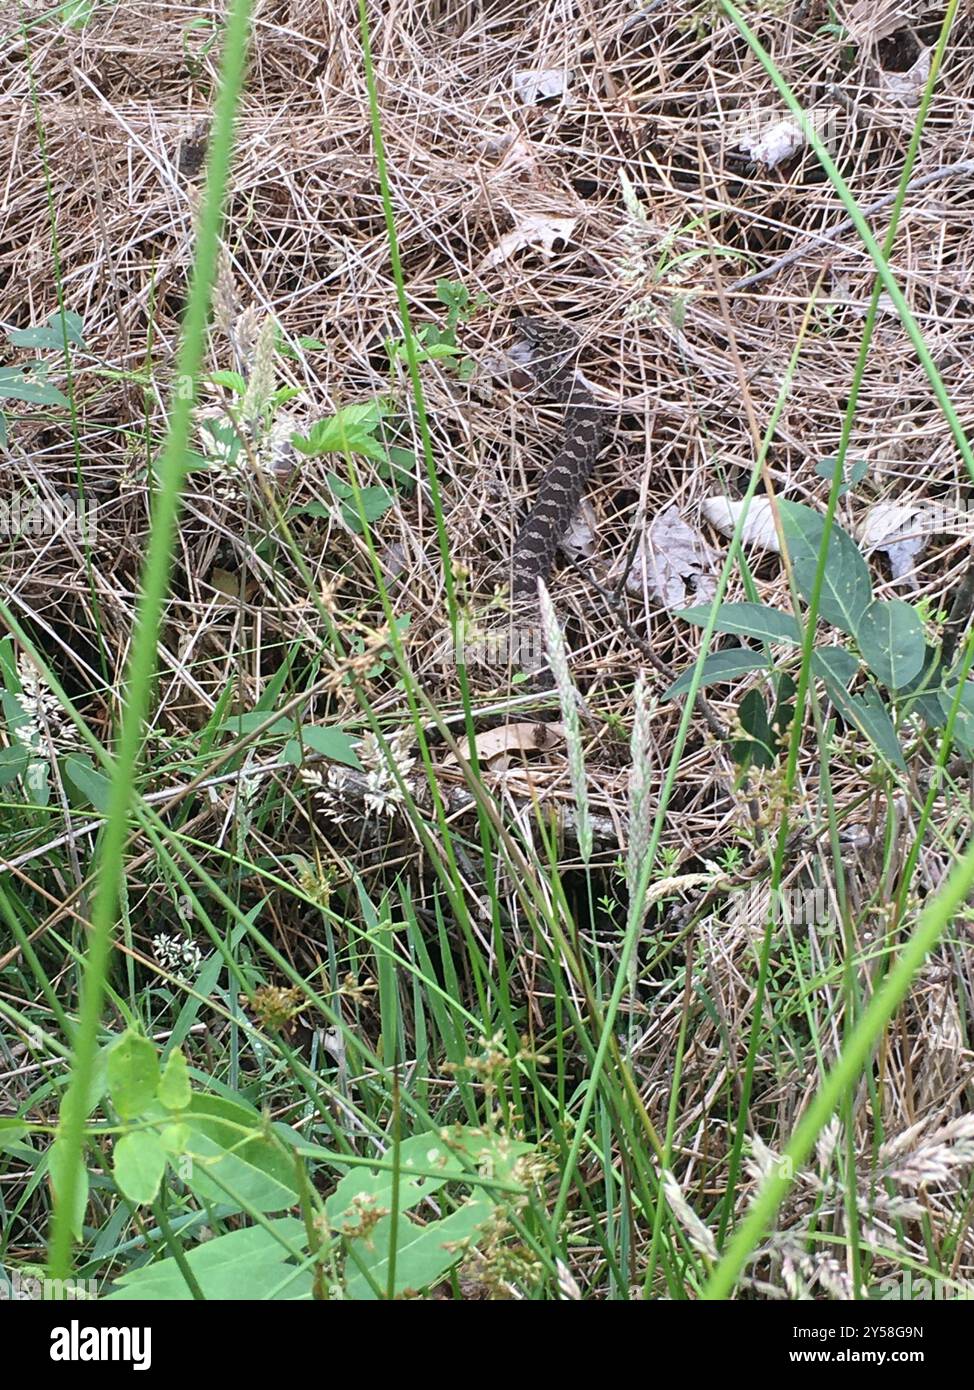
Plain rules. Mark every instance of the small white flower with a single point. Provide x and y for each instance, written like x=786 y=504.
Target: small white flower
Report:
x=44 y=725
x=177 y=954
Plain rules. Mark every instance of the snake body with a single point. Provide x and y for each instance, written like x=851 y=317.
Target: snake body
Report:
x=546 y=351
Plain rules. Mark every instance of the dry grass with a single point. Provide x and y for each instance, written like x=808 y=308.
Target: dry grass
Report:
x=687 y=366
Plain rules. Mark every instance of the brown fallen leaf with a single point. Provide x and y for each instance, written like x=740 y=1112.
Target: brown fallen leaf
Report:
x=232 y=585
x=526 y=737
x=534 y=229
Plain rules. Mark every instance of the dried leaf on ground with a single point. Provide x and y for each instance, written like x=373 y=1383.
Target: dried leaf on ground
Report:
x=536 y=230
x=759 y=531
x=536 y=84
x=673 y=561
x=526 y=737
x=900 y=530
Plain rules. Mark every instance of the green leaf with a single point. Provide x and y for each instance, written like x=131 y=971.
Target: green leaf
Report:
x=425 y=1164
x=784 y=709
x=758 y=749
x=76 y=13
x=50 y=334
x=490 y=1152
x=423 y=1253
x=233 y=381
x=175 y=1092
x=30 y=384
x=13 y=763
x=326 y=739
x=726 y=665
x=826 y=469
x=370 y=502
x=227 y=1140
x=846 y=586
x=453 y=293
x=138 y=1164
x=57 y=1167
x=835 y=666
x=872 y=717
x=94 y=786
x=174 y=1138
x=243 y=1265
x=12 y=1131
x=890 y=637
x=242 y=724
x=349 y=431
x=133 y=1074
x=748 y=620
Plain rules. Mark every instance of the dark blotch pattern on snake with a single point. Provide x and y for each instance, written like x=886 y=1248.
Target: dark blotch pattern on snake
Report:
x=546 y=350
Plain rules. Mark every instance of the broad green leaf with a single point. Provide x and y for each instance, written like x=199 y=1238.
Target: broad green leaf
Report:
x=835 y=666
x=748 y=620
x=425 y=1164
x=890 y=637
x=94 y=786
x=369 y=502
x=133 y=1074
x=493 y=1154
x=784 y=709
x=58 y=1169
x=326 y=739
x=175 y=1092
x=138 y=1164
x=29 y=384
x=929 y=678
x=174 y=1138
x=758 y=749
x=233 y=381
x=932 y=706
x=12 y=1131
x=838 y=669
x=50 y=334
x=871 y=716
x=227 y=1145
x=351 y=430
x=242 y=724
x=846 y=586
x=242 y=1265
x=721 y=666
x=76 y=13
x=423 y=1253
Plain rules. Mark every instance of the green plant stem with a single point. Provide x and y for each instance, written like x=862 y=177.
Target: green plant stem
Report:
x=142 y=665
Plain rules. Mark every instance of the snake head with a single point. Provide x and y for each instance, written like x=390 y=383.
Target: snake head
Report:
x=543 y=347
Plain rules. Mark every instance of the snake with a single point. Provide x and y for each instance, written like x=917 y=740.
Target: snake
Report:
x=546 y=349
